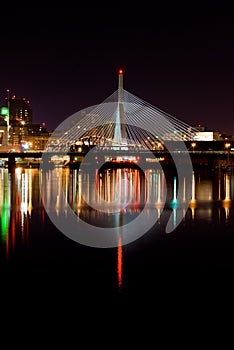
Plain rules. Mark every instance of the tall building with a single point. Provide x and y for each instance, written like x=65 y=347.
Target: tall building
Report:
x=19 y=132
x=20 y=111
x=3 y=134
x=20 y=117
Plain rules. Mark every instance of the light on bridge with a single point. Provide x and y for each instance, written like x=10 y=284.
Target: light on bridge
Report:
x=193 y=145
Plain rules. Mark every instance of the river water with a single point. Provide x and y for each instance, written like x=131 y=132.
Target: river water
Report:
x=34 y=252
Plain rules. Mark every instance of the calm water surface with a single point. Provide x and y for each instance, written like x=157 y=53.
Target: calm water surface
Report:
x=32 y=250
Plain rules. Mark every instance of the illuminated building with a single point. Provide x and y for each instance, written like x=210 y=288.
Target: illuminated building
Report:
x=20 y=132
x=20 y=111
x=3 y=133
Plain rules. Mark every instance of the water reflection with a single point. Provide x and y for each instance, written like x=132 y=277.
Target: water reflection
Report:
x=110 y=199
x=18 y=192
x=120 y=263
x=109 y=192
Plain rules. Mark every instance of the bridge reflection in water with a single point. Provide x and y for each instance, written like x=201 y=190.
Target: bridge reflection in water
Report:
x=21 y=209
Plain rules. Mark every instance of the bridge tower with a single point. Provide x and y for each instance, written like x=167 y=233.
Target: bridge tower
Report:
x=120 y=135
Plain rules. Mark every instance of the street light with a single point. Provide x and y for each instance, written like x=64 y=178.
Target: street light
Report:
x=193 y=145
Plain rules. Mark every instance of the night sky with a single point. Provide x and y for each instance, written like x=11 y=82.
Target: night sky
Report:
x=180 y=59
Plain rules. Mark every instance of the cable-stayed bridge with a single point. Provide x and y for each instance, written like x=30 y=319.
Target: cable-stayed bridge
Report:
x=123 y=124
x=122 y=121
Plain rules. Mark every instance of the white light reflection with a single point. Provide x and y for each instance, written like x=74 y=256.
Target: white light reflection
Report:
x=227 y=200
x=24 y=196
x=30 y=192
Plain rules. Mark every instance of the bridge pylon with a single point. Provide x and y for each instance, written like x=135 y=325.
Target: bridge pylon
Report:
x=120 y=135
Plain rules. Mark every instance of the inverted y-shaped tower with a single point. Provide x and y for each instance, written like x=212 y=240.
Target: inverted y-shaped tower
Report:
x=120 y=137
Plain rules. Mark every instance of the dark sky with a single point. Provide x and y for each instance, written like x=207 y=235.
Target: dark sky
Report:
x=180 y=59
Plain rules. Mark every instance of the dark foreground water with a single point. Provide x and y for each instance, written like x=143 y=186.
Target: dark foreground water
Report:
x=193 y=262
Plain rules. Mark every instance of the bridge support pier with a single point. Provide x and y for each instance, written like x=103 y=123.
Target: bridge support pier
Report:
x=11 y=164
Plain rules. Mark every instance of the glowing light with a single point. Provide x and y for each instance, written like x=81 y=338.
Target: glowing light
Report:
x=193 y=145
x=175 y=191
x=5 y=213
x=193 y=188
x=4 y=111
x=24 y=190
x=227 y=188
x=4 y=222
x=120 y=71
x=184 y=190
x=120 y=262
x=159 y=187
x=227 y=145
x=174 y=217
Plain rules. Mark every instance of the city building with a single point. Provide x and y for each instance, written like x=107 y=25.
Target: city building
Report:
x=208 y=136
x=19 y=110
x=3 y=134
x=17 y=130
